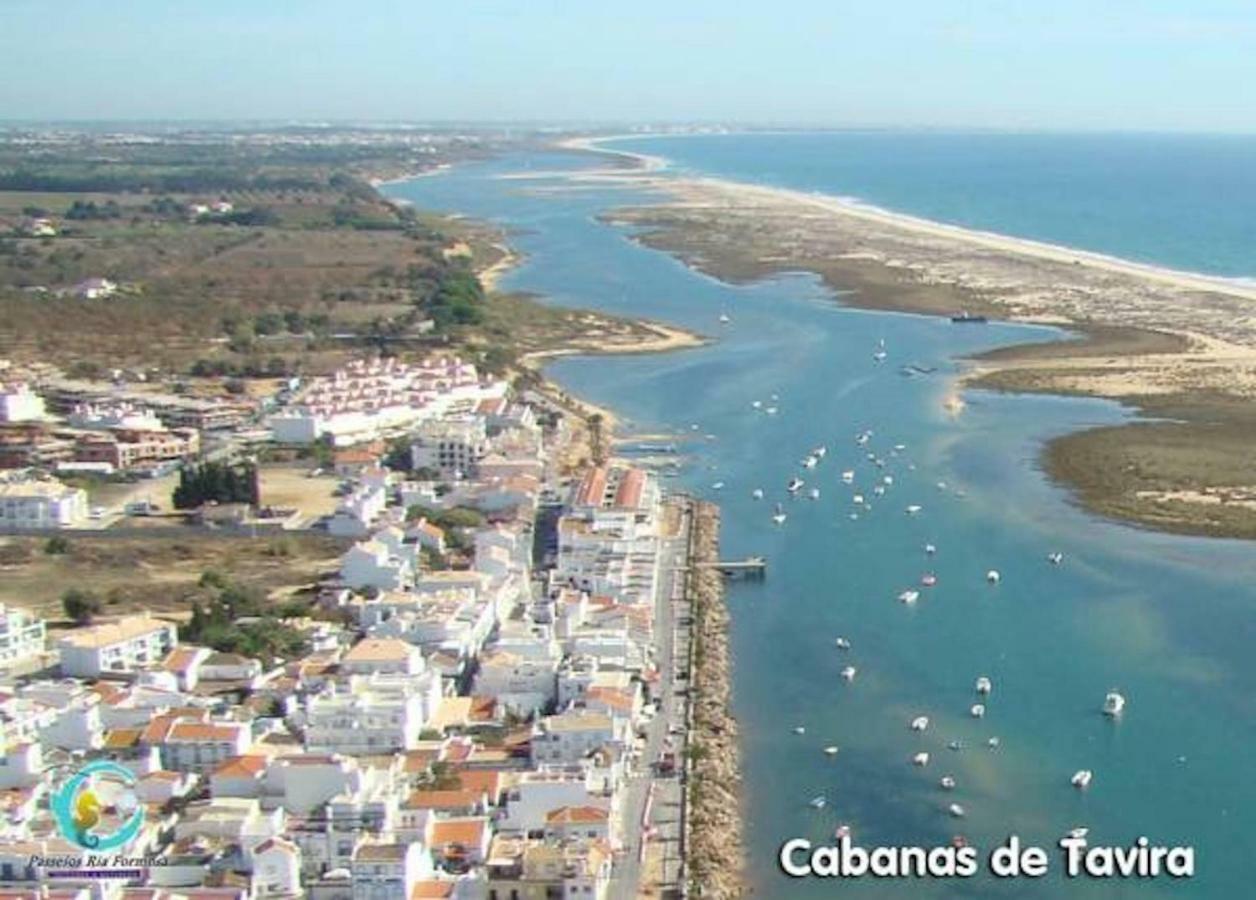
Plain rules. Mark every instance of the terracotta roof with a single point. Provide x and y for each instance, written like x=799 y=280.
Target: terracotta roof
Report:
x=242 y=767
x=592 y=487
x=180 y=659
x=467 y=832
x=631 y=486
x=456 y=799
x=381 y=852
x=203 y=731
x=93 y=637
x=576 y=815
x=486 y=781
x=121 y=738
x=379 y=650
x=432 y=890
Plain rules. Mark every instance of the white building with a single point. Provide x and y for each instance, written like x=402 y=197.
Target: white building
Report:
x=358 y=511
x=276 y=869
x=371 y=715
x=385 y=562
x=22 y=636
x=520 y=684
x=41 y=505
x=571 y=736
x=123 y=646
x=18 y=403
x=389 y=871
x=453 y=447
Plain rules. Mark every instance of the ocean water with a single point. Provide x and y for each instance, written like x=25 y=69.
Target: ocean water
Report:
x=1184 y=202
x=1167 y=620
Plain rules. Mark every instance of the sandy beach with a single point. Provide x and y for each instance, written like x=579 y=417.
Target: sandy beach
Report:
x=1172 y=344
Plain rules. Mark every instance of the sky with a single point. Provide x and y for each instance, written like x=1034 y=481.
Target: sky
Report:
x=1176 y=65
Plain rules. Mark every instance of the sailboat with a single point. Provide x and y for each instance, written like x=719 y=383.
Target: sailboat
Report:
x=779 y=516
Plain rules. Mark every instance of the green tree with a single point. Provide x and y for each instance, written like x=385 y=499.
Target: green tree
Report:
x=81 y=606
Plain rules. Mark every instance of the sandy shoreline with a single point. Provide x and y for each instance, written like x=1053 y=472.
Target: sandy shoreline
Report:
x=1175 y=345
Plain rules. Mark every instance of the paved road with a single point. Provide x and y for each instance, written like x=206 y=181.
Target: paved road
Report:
x=665 y=805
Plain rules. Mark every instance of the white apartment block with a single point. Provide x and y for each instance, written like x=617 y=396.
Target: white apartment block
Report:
x=358 y=511
x=371 y=715
x=41 y=505
x=22 y=635
x=123 y=646
x=453 y=447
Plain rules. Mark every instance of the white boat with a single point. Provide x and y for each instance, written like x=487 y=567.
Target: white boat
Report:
x=920 y=723
x=900 y=447
x=977 y=710
x=879 y=491
x=817 y=803
x=779 y=516
x=929 y=579
x=930 y=549
x=848 y=476
x=983 y=685
x=771 y=410
x=1055 y=558
x=887 y=480
x=1081 y=778
x=909 y=597
x=718 y=486
x=757 y=404
x=757 y=493
x=814 y=494
x=993 y=576
x=1113 y=703
x=854 y=516
x=724 y=319
x=956 y=810
x=809 y=462
x=830 y=750
x=798 y=729
x=858 y=499
x=842 y=643
x=941 y=485
x=947 y=783
x=955 y=745
x=993 y=743
x=848 y=673
x=920 y=759
x=1079 y=833
x=819 y=452
x=880 y=355
x=863 y=438
x=842 y=832
x=913 y=509
x=795 y=485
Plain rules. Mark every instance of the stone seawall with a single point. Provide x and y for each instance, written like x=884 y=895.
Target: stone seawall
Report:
x=716 y=850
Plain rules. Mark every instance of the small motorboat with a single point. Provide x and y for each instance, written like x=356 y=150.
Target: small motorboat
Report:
x=854 y=516
x=814 y=494
x=863 y=438
x=818 y=802
x=1081 y=778
x=993 y=743
x=798 y=729
x=858 y=499
x=993 y=576
x=978 y=710
x=914 y=509
x=771 y=410
x=947 y=783
x=757 y=494
x=1079 y=833
x=899 y=448
x=879 y=491
x=717 y=486
x=820 y=452
x=831 y=750
x=909 y=597
x=848 y=673
x=920 y=759
x=1113 y=704
x=1055 y=558
x=842 y=643
x=955 y=745
x=842 y=832
x=848 y=476
x=983 y=685
x=779 y=516
x=880 y=355
x=920 y=723
x=724 y=318
x=887 y=480
x=810 y=462
x=941 y=485
x=757 y=404
x=928 y=579
x=930 y=549
x=795 y=485
x=956 y=810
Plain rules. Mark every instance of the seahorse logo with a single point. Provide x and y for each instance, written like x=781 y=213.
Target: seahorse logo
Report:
x=96 y=808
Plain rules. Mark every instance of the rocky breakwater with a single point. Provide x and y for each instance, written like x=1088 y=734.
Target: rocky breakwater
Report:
x=716 y=853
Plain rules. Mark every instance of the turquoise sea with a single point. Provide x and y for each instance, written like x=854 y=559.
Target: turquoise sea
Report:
x=1170 y=621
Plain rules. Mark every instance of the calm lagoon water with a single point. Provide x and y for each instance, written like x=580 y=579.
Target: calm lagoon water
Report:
x=1167 y=620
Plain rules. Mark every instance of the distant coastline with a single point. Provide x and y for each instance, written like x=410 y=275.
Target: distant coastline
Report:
x=1172 y=344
